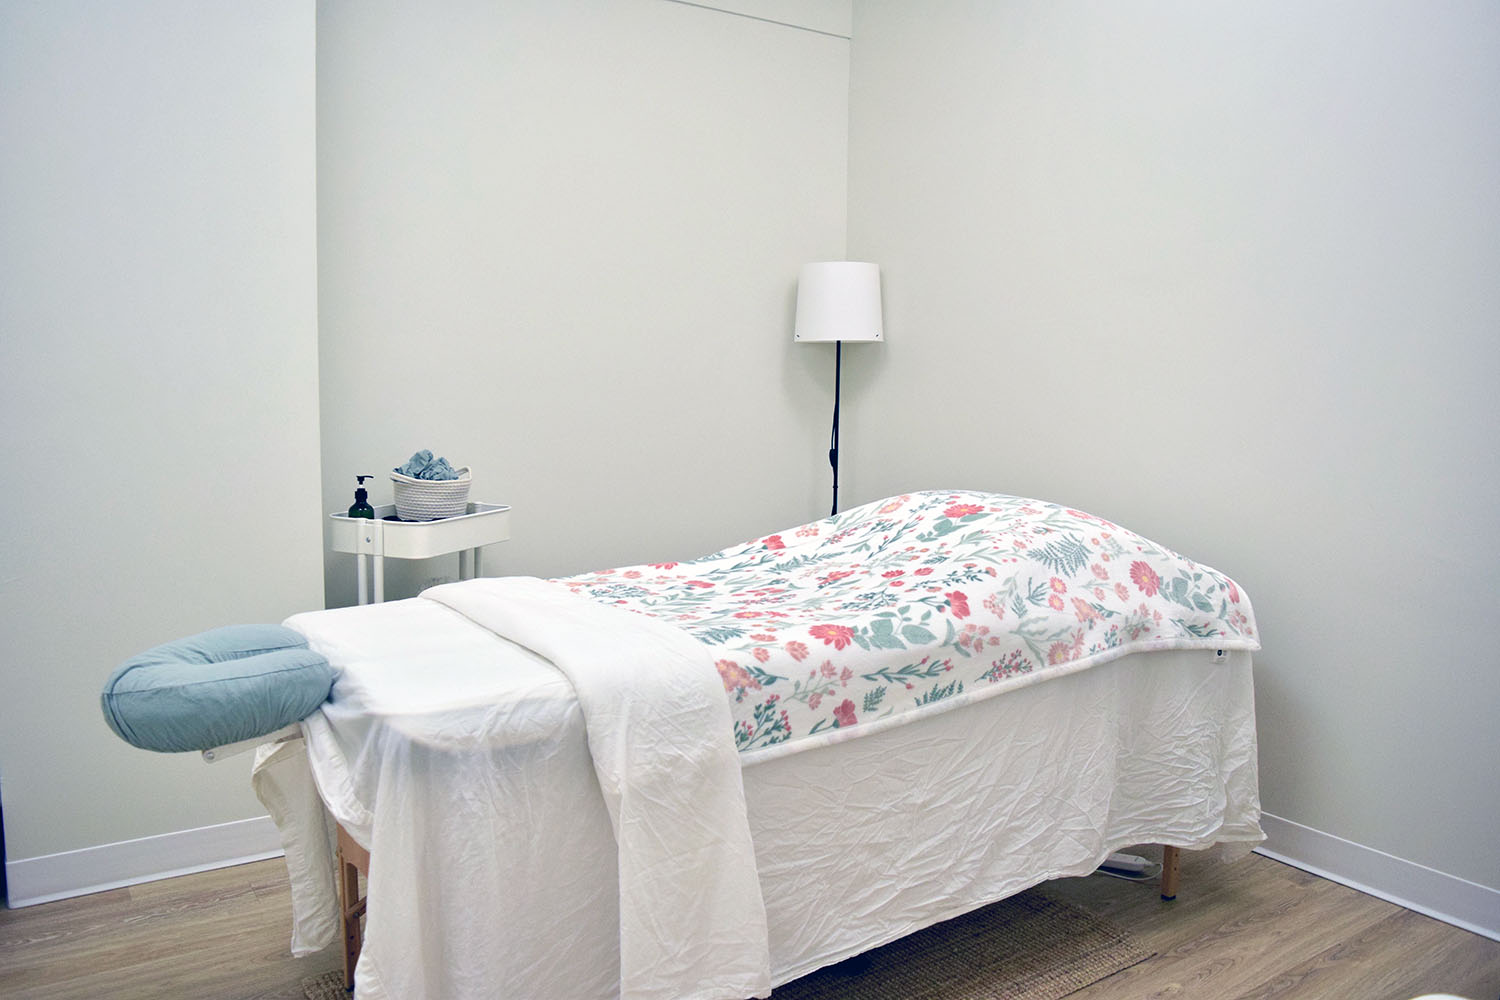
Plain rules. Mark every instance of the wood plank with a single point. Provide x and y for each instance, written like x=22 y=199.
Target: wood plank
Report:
x=209 y=935
x=1404 y=955
x=1234 y=943
x=1252 y=929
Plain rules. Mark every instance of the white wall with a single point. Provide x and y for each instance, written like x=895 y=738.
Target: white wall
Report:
x=158 y=381
x=1228 y=274
x=559 y=243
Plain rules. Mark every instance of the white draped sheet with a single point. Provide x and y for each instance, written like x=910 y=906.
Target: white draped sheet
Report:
x=692 y=923
x=460 y=758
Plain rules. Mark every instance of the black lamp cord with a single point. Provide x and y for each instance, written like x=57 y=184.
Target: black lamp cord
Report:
x=833 y=443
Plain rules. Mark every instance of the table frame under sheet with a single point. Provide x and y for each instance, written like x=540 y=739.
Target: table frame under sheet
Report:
x=354 y=862
x=1204 y=798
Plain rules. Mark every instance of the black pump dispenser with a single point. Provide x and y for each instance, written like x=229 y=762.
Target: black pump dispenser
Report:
x=362 y=506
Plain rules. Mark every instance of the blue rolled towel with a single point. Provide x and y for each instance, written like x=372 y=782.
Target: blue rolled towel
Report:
x=423 y=466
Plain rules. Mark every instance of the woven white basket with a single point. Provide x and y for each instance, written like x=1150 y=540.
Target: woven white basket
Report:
x=430 y=499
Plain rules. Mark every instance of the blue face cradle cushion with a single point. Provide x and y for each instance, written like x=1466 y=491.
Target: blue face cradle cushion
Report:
x=215 y=688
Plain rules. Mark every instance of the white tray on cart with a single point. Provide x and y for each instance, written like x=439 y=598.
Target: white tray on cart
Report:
x=378 y=538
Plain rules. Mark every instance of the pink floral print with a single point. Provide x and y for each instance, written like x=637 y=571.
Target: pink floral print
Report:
x=837 y=636
x=1144 y=577
x=922 y=598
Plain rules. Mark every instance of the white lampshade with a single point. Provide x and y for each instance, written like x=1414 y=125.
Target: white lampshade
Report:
x=838 y=300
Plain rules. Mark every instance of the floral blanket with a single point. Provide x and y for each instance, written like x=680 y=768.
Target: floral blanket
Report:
x=940 y=597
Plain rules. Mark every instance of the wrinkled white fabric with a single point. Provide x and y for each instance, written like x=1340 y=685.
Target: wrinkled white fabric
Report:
x=692 y=924
x=460 y=759
x=284 y=783
x=868 y=840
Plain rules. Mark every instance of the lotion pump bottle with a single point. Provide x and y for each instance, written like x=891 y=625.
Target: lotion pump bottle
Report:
x=362 y=506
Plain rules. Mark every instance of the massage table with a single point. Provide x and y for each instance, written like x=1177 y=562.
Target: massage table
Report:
x=707 y=778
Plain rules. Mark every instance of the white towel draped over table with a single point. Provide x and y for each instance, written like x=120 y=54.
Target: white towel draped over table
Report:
x=659 y=733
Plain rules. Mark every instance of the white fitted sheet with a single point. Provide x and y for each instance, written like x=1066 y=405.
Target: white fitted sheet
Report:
x=460 y=760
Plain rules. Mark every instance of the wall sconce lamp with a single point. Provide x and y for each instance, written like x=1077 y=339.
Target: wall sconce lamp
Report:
x=838 y=300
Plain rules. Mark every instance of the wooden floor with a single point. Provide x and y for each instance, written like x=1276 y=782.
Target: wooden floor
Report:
x=1260 y=929
x=1255 y=928
x=220 y=935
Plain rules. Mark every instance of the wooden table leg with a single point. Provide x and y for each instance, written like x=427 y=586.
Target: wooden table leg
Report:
x=1171 y=871
x=352 y=859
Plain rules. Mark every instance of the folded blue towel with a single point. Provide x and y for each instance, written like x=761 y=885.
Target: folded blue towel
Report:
x=423 y=466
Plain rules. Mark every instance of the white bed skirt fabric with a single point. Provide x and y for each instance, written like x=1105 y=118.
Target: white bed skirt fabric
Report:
x=870 y=840
x=460 y=760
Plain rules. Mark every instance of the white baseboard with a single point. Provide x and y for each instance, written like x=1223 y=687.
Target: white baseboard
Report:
x=1448 y=898
x=130 y=862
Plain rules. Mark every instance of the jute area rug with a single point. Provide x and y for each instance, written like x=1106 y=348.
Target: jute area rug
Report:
x=1028 y=946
